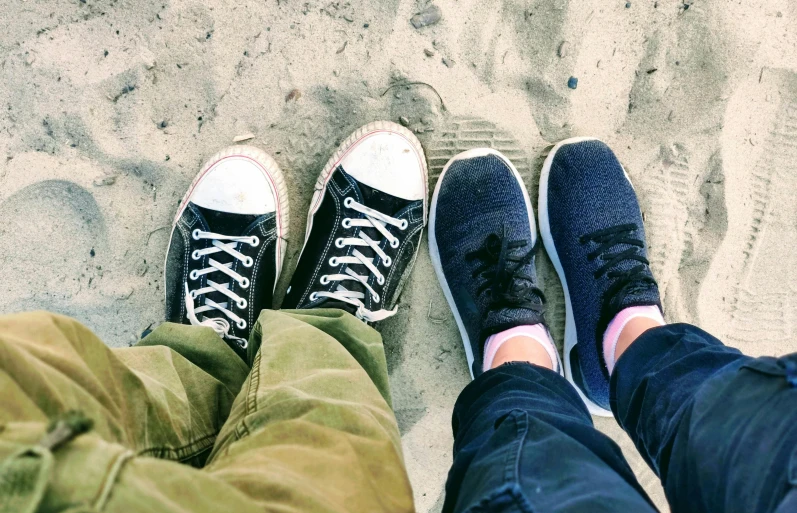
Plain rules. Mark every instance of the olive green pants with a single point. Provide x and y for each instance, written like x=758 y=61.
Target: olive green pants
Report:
x=182 y=424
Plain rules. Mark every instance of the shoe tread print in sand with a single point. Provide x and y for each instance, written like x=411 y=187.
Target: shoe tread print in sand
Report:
x=752 y=282
x=464 y=133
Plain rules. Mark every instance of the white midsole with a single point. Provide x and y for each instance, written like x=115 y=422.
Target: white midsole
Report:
x=571 y=337
x=435 y=253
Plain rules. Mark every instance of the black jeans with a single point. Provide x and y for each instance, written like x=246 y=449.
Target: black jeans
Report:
x=718 y=427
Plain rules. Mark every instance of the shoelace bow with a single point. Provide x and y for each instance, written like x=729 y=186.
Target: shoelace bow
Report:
x=378 y=221
x=502 y=273
x=633 y=279
x=219 y=324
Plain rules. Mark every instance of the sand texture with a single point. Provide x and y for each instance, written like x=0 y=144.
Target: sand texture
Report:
x=109 y=107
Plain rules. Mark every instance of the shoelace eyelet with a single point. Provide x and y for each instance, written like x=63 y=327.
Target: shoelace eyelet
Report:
x=242 y=304
x=346 y=223
x=395 y=243
x=339 y=243
x=381 y=280
x=387 y=261
x=195 y=255
x=333 y=261
x=241 y=325
x=348 y=202
x=195 y=234
x=244 y=283
x=248 y=262
x=324 y=280
x=404 y=224
x=376 y=298
x=254 y=241
x=193 y=274
x=313 y=296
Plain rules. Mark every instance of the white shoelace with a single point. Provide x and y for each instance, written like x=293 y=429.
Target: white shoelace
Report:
x=219 y=324
x=373 y=219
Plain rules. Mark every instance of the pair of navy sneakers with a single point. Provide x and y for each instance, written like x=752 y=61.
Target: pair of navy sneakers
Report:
x=483 y=238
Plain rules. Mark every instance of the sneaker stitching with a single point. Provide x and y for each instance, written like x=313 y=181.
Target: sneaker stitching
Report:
x=348 y=179
x=186 y=253
x=411 y=213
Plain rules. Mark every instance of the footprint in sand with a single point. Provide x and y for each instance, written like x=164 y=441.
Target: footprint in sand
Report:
x=64 y=215
x=460 y=134
x=748 y=296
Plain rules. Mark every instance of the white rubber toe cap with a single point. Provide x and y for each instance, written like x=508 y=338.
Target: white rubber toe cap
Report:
x=389 y=161
x=238 y=180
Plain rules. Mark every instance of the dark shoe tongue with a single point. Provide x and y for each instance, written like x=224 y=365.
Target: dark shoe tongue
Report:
x=385 y=204
x=339 y=305
x=507 y=318
x=225 y=223
x=643 y=294
x=381 y=201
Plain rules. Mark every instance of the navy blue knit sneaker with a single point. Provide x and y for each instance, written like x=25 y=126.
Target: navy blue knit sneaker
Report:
x=591 y=225
x=482 y=240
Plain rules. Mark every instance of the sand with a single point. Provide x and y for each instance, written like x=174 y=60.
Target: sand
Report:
x=108 y=108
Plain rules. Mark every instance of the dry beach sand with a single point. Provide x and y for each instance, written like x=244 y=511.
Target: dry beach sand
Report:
x=109 y=107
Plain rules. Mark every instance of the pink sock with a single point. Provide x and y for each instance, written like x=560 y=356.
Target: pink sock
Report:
x=537 y=331
x=612 y=333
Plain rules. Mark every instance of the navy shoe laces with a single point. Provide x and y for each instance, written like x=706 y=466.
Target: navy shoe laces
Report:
x=502 y=273
x=626 y=281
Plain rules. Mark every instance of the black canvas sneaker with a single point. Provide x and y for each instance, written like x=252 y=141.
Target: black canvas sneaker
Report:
x=228 y=244
x=365 y=225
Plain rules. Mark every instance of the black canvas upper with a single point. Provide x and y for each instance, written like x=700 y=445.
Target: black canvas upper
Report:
x=327 y=227
x=262 y=274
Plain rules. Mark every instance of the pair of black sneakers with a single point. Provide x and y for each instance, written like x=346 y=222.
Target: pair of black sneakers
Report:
x=364 y=229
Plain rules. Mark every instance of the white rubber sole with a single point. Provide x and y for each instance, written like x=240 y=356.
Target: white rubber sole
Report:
x=435 y=253
x=273 y=174
x=343 y=150
x=571 y=336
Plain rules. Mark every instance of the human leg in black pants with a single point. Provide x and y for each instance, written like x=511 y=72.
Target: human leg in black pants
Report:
x=524 y=437
x=524 y=441
x=717 y=426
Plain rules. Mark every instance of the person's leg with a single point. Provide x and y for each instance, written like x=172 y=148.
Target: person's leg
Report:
x=717 y=426
x=169 y=396
x=524 y=441
x=316 y=406
x=166 y=398
x=312 y=429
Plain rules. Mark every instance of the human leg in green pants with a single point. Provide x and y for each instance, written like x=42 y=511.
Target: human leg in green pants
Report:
x=180 y=423
x=307 y=430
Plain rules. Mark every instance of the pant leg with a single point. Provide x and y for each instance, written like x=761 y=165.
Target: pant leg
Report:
x=313 y=429
x=167 y=397
x=524 y=441
x=336 y=440
x=718 y=427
